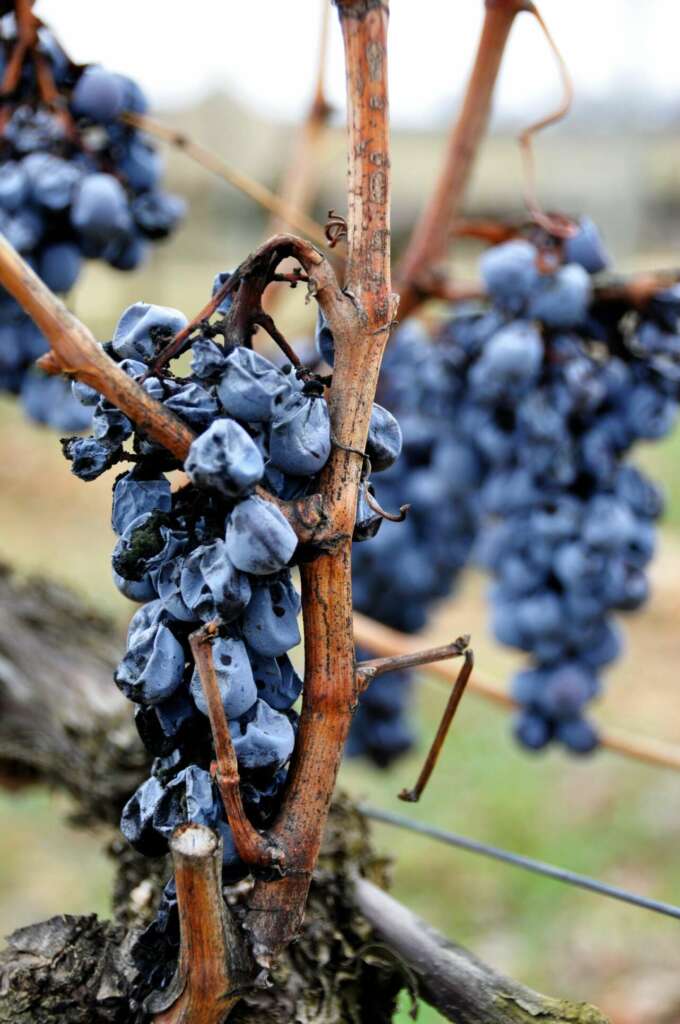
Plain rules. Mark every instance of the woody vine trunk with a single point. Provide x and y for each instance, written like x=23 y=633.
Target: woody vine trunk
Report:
x=330 y=691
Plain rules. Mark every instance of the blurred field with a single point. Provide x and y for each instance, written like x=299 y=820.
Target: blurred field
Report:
x=604 y=816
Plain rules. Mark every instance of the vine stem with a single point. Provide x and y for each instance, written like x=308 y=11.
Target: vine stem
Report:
x=251 y=846
x=330 y=687
x=259 y=193
x=428 y=243
x=387 y=642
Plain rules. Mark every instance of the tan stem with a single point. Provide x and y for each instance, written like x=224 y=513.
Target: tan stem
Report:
x=259 y=193
x=369 y=670
x=428 y=243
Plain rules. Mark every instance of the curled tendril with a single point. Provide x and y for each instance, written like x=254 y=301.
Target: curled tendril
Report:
x=392 y=517
x=335 y=228
x=554 y=223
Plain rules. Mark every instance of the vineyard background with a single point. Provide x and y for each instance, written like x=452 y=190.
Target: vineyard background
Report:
x=602 y=816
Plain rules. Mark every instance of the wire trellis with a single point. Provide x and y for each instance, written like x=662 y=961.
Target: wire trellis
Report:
x=517 y=860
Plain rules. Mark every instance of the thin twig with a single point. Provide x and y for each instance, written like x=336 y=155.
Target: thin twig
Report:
x=259 y=193
x=374 y=636
x=174 y=347
x=412 y=796
x=253 y=847
x=264 y=320
x=392 y=517
x=369 y=670
x=301 y=179
x=293 y=279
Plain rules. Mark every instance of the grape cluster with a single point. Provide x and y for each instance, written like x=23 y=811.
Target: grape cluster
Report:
x=558 y=386
x=75 y=183
x=213 y=549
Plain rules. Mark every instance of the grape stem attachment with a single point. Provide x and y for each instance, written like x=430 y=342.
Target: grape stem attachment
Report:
x=253 y=847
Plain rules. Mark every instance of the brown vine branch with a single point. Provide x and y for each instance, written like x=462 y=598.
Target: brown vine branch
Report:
x=213 y=964
x=461 y=987
x=369 y=670
x=413 y=795
x=491 y=231
x=360 y=330
x=252 y=846
x=556 y=224
x=259 y=193
x=428 y=243
x=374 y=636
x=75 y=352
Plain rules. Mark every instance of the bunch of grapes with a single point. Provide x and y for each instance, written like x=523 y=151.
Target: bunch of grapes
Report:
x=558 y=386
x=75 y=183
x=213 y=549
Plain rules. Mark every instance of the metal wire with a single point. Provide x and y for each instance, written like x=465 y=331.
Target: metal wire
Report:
x=527 y=863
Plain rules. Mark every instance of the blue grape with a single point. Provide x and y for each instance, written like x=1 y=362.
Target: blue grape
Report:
x=141 y=328
x=99 y=95
x=300 y=437
x=510 y=273
x=270 y=621
x=234 y=678
x=248 y=385
x=152 y=667
x=259 y=540
x=586 y=247
x=226 y=458
x=264 y=740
